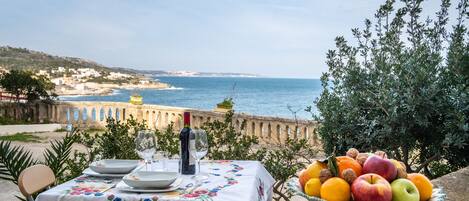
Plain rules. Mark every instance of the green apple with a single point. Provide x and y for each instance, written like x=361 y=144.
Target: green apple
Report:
x=404 y=190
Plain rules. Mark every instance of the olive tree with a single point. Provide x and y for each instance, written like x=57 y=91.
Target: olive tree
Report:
x=402 y=88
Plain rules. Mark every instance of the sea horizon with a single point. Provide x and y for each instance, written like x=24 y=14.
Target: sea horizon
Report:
x=264 y=96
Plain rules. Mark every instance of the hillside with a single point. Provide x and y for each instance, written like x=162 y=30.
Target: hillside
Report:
x=22 y=58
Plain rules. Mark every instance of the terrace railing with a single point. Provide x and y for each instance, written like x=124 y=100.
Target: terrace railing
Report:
x=94 y=114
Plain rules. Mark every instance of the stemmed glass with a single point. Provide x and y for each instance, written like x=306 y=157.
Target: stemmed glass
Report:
x=145 y=145
x=199 y=150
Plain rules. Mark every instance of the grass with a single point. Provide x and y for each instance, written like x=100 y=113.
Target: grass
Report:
x=21 y=137
x=11 y=121
x=60 y=130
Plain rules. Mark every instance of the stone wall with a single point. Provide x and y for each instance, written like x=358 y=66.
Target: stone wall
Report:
x=94 y=114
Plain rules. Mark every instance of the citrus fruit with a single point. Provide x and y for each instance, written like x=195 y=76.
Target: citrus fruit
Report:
x=313 y=187
x=312 y=171
x=335 y=189
x=345 y=162
x=423 y=184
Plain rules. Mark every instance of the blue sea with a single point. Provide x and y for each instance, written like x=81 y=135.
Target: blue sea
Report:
x=257 y=96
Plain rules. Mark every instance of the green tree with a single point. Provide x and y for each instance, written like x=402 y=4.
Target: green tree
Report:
x=402 y=89
x=24 y=83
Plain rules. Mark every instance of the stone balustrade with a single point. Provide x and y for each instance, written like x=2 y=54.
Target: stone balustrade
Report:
x=94 y=114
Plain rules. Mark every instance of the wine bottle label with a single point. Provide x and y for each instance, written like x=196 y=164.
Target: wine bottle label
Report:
x=191 y=148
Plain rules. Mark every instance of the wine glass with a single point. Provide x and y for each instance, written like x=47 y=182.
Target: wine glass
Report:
x=145 y=146
x=199 y=150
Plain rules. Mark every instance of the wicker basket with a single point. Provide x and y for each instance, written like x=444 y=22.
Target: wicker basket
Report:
x=293 y=186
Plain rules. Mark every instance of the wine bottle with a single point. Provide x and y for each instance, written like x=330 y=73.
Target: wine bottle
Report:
x=187 y=161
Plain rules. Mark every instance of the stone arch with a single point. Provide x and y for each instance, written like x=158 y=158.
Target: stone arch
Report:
x=159 y=120
x=261 y=130
x=173 y=117
x=68 y=115
x=269 y=131
x=201 y=120
x=109 y=113
x=278 y=132
x=118 y=114
x=179 y=121
x=76 y=114
x=84 y=114
x=305 y=131
x=154 y=119
x=93 y=114
x=55 y=113
x=253 y=128
x=102 y=115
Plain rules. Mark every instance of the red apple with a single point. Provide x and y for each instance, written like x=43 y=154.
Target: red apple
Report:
x=371 y=187
x=381 y=166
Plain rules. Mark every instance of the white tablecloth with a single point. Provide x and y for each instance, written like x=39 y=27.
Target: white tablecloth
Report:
x=228 y=181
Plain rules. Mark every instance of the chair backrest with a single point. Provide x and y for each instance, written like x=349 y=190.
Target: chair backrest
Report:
x=34 y=179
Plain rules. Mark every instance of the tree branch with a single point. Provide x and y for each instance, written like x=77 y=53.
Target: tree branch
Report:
x=429 y=160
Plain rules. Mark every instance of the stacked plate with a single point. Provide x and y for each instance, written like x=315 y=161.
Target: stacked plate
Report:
x=150 y=182
x=111 y=168
x=134 y=180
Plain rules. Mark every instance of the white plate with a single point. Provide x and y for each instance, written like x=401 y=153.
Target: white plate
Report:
x=112 y=166
x=90 y=172
x=121 y=186
x=150 y=179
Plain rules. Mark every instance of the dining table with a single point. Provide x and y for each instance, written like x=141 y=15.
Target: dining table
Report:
x=228 y=180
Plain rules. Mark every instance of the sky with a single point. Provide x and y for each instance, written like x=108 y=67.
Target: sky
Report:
x=276 y=38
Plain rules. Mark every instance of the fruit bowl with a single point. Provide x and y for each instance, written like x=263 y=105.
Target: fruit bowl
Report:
x=362 y=176
x=293 y=186
x=295 y=189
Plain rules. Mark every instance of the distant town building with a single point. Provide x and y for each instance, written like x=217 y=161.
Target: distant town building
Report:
x=118 y=75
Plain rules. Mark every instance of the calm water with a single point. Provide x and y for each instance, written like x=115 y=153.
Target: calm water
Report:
x=259 y=96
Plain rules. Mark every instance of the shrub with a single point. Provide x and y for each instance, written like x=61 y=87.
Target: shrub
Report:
x=168 y=140
x=226 y=143
x=117 y=140
x=401 y=89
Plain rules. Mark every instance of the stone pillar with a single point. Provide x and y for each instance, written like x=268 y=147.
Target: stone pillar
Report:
x=284 y=133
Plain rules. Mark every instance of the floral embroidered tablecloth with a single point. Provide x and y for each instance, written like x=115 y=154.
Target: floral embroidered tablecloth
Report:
x=228 y=181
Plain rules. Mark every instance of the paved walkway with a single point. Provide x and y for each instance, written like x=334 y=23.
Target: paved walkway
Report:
x=455 y=184
x=28 y=128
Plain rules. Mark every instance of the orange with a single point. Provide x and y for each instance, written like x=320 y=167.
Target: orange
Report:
x=423 y=184
x=312 y=171
x=345 y=162
x=313 y=187
x=335 y=189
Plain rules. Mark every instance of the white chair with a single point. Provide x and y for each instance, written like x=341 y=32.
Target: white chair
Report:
x=34 y=179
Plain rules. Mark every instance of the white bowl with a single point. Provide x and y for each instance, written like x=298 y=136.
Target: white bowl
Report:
x=147 y=179
x=110 y=166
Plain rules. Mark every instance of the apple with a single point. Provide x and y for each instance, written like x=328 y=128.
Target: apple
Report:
x=371 y=187
x=381 y=166
x=404 y=190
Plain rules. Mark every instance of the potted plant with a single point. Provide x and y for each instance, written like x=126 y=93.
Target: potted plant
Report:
x=225 y=106
x=136 y=99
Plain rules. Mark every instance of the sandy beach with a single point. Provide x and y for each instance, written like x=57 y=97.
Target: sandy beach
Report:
x=102 y=89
